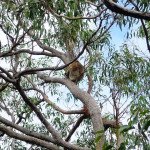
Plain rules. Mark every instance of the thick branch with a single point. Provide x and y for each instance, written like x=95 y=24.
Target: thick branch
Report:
x=75 y=127
x=38 y=113
x=6 y=72
x=54 y=133
x=7 y=79
x=109 y=123
x=10 y=53
x=27 y=139
x=121 y=10
x=86 y=98
x=26 y=131
x=3 y=86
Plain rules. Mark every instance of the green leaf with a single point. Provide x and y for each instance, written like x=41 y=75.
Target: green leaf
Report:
x=108 y=147
x=126 y=128
x=146 y=125
x=122 y=146
x=99 y=134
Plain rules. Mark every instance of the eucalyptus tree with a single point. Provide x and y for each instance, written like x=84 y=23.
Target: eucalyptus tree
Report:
x=42 y=105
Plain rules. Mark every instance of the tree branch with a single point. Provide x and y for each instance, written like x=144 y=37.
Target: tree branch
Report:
x=121 y=10
x=52 y=104
x=85 y=98
x=10 y=53
x=26 y=131
x=77 y=124
x=54 y=133
x=45 y=4
x=28 y=139
x=34 y=70
x=7 y=79
x=6 y=72
x=143 y=25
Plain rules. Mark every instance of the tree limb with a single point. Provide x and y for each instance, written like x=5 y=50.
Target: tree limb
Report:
x=7 y=79
x=143 y=25
x=28 y=139
x=52 y=104
x=121 y=10
x=54 y=133
x=77 y=124
x=26 y=131
x=45 y=4
x=10 y=53
x=85 y=98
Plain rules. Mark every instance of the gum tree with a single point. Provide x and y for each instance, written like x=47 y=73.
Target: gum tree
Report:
x=40 y=105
